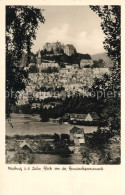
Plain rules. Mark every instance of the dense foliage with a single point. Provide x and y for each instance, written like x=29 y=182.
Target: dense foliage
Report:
x=98 y=64
x=50 y=70
x=23 y=156
x=21 y=25
x=73 y=59
x=111 y=21
x=33 y=69
x=110 y=84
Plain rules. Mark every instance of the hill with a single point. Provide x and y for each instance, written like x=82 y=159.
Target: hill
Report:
x=63 y=58
x=104 y=57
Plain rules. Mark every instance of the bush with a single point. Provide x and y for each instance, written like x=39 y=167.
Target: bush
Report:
x=50 y=70
x=44 y=147
x=62 y=148
x=23 y=156
x=33 y=69
x=100 y=137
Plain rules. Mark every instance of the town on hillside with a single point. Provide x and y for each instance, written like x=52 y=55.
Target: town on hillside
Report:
x=52 y=74
x=56 y=103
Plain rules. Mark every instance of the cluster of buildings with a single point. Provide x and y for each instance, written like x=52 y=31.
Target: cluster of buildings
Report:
x=77 y=119
x=74 y=139
x=73 y=79
x=74 y=117
x=57 y=47
x=81 y=119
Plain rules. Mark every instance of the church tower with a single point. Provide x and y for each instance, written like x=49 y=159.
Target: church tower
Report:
x=39 y=58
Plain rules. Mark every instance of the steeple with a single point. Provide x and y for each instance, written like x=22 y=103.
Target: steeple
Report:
x=39 y=54
x=39 y=57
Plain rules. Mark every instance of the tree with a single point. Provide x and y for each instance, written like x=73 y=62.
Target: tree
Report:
x=33 y=69
x=107 y=99
x=50 y=70
x=87 y=66
x=44 y=146
x=22 y=156
x=56 y=137
x=110 y=24
x=44 y=115
x=61 y=148
x=98 y=64
x=111 y=21
x=21 y=25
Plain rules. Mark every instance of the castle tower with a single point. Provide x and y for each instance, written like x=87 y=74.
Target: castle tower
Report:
x=39 y=58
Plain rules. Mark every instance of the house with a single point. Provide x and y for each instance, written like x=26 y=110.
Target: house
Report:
x=57 y=120
x=47 y=106
x=45 y=65
x=63 y=94
x=25 y=146
x=54 y=104
x=77 y=135
x=35 y=105
x=85 y=62
x=90 y=117
x=98 y=72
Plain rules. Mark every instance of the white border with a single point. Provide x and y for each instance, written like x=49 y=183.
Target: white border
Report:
x=110 y=181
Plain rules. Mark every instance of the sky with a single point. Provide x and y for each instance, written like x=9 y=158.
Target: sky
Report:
x=77 y=25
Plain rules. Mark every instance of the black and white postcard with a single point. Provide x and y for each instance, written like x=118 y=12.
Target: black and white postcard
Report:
x=63 y=84
x=62 y=101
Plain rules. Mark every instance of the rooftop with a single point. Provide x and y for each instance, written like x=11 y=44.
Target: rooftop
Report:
x=77 y=129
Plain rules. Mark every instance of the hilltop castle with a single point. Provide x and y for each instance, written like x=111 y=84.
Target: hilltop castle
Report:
x=57 y=47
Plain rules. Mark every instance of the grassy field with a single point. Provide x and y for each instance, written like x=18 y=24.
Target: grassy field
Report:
x=25 y=124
